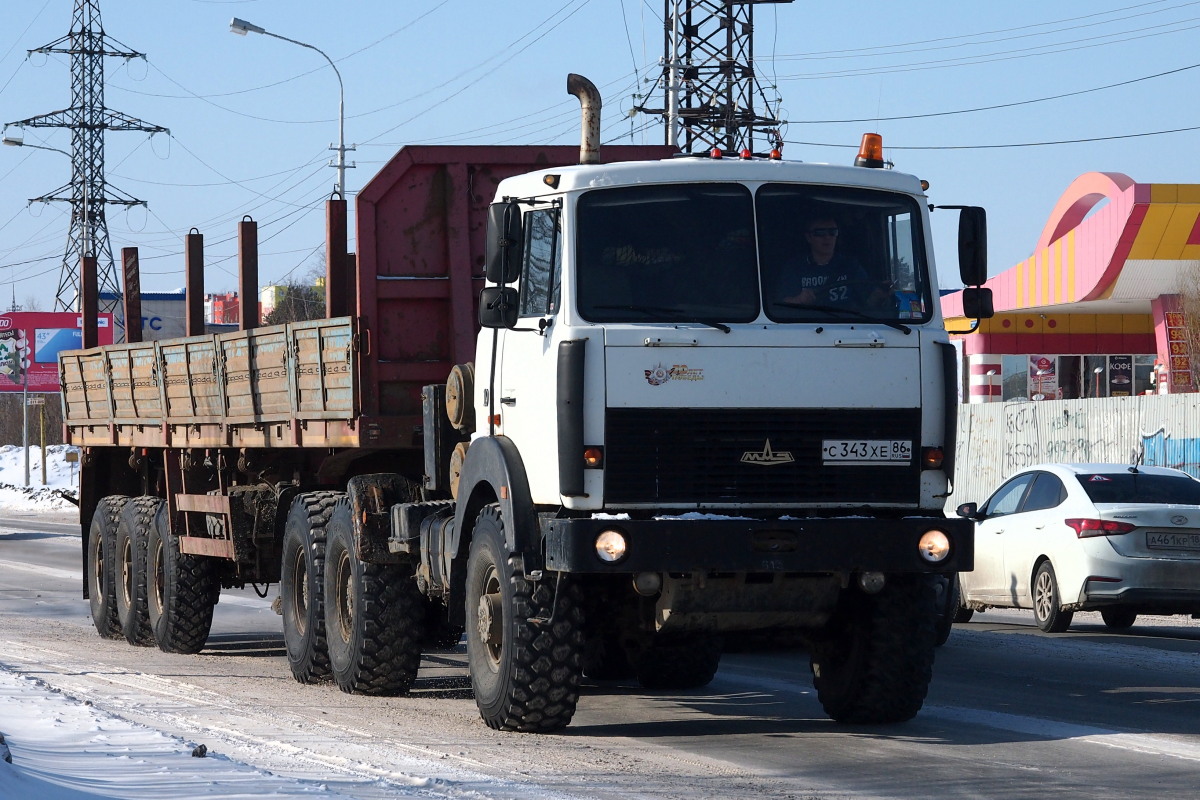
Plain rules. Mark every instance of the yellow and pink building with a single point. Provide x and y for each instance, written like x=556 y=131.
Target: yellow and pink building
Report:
x=1096 y=310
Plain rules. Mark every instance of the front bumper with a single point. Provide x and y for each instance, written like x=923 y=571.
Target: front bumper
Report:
x=816 y=545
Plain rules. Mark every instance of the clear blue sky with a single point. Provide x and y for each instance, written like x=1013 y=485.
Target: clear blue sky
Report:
x=251 y=117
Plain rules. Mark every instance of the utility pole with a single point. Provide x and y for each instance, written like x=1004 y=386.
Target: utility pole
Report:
x=709 y=83
x=87 y=119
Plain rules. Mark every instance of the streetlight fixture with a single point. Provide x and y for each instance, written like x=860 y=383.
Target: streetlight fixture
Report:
x=242 y=27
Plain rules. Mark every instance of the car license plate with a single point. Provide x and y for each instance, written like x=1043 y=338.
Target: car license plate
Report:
x=1170 y=540
x=892 y=452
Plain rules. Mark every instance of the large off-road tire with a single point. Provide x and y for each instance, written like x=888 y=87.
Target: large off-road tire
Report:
x=302 y=585
x=948 y=605
x=101 y=566
x=1047 y=605
x=181 y=590
x=133 y=529
x=524 y=640
x=374 y=616
x=682 y=662
x=1117 y=618
x=875 y=664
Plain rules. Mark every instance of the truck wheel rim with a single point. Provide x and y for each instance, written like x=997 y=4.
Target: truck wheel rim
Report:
x=300 y=593
x=344 y=599
x=127 y=573
x=490 y=619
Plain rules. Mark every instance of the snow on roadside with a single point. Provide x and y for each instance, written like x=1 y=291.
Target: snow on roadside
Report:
x=65 y=749
x=62 y=478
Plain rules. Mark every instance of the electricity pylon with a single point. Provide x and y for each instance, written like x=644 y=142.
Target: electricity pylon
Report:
x=88 y=119
x=709 y=81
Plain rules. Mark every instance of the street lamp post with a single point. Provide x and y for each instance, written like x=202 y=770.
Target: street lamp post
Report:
x=13 y=141
x=242 y=27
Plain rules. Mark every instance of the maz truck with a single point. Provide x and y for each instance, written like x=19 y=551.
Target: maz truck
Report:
x=580 y=414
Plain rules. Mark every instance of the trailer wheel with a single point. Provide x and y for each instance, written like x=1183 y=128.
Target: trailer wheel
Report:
x=101 y=571
x=876 y=665
x=181 y=590
x=524 y=640
x=374 y=616
x=137 y=517
x=683 y=662
x=302 y=585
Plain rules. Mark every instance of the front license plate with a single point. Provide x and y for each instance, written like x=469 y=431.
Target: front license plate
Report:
x=1169 y=540
x=867 y=451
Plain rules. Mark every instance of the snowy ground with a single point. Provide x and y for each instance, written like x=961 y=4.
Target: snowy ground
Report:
x=62 y=748
x=62 y=479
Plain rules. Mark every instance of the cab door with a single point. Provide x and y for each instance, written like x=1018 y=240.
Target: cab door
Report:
x=527 y=359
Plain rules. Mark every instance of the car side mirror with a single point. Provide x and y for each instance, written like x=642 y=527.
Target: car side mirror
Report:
x=969 y=510
x=504 y=239
x=498 y=307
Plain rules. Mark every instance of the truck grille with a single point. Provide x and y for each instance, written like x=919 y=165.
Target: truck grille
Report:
x=696 y=456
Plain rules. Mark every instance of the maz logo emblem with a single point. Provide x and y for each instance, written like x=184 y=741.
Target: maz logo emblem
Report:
x=767 y=456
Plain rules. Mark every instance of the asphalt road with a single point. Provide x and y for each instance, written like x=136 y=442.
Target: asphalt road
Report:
x=1012 y=712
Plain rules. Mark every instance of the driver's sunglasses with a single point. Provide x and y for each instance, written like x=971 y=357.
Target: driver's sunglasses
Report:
x=823 y=232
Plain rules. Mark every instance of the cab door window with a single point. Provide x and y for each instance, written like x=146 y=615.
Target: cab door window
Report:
x=541 y=269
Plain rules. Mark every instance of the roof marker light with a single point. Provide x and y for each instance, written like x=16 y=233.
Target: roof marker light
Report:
x=775 y=154
x=746 y=154
x=716 y=153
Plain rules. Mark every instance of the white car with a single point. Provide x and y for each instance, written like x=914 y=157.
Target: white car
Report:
x=1061 y=538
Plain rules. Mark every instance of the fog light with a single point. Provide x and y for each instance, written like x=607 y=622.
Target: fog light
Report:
x=871 y=582
x=647 y=584
x=610 y=545
x=934 y=546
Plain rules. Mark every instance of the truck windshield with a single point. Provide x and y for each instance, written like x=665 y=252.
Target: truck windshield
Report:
x=715 y=253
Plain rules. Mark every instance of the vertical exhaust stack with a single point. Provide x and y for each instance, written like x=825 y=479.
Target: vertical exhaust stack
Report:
x=589 y=106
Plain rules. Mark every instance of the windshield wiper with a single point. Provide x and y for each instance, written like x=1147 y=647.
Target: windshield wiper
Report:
x=652 y=311
x=853 y=312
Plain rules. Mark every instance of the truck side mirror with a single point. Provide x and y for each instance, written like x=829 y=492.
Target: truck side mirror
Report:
x=977 y=303
x=504 y=239
x=498 y=307
x=972 y=245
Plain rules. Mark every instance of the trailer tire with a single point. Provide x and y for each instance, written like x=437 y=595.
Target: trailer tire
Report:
x=133 y=528
x=524 y=640
x=302 y=585
x=876 y=665
x=684 y=662
x=181 y=590
x=101 y=566
x=374 y=616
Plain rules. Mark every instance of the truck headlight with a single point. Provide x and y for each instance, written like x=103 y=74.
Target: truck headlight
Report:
x=934 y=546
x=611 y=545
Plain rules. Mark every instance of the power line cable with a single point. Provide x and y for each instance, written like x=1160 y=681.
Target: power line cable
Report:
x=1000 y=105
x=1012 y=144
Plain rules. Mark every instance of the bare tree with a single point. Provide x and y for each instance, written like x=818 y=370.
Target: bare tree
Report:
x=297 y=301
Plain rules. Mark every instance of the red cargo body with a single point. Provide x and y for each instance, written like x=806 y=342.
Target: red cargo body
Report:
x=340 y=383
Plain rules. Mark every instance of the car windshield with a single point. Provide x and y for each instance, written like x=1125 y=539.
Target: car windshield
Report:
x=716 y=253
x=1140 y=487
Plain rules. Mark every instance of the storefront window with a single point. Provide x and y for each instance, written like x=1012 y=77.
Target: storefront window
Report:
x=1142 y=378
x=1095 y=369
x=1016 y=377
